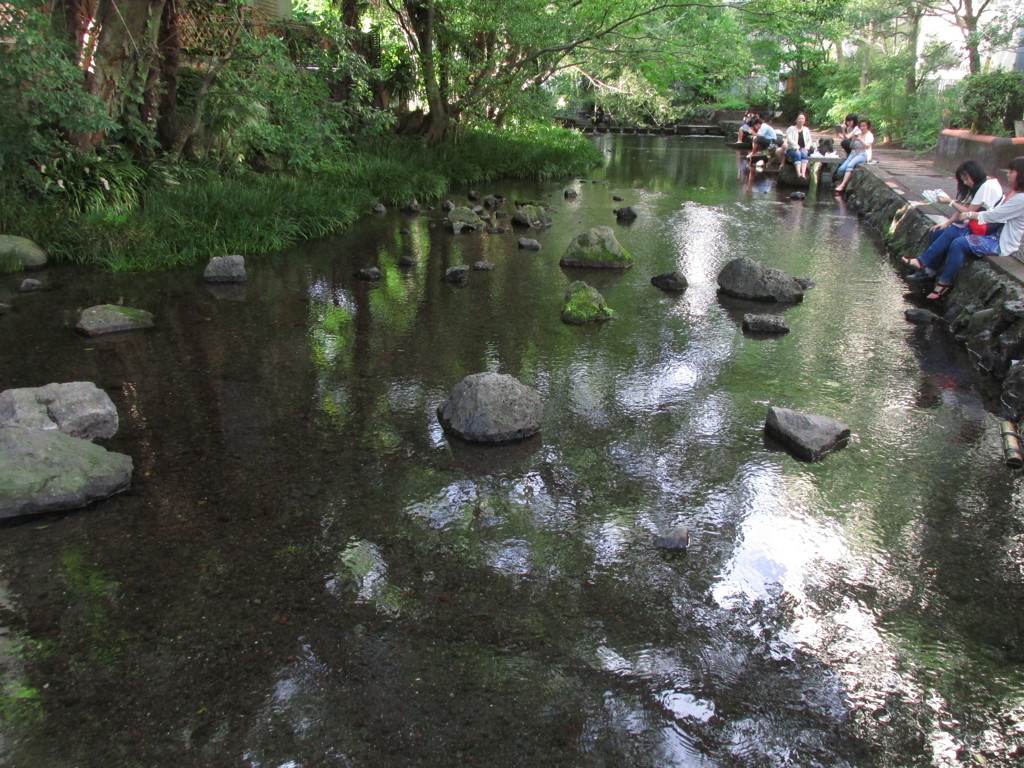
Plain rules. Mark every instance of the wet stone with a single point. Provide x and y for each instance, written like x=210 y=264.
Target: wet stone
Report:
x=457 y=274
x=483 y=266
x=30 y=285
x=673 y=282
x=112 y=318
x=808 y=436
x=920 y=316
x=676 y=540
x=775 y=324
x=625 y=213
x=370 y=273
x=380 y=208
x=528 y=244
x=225 y=269
x=407 y=261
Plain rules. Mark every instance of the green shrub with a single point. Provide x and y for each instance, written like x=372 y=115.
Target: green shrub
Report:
x=991 y=101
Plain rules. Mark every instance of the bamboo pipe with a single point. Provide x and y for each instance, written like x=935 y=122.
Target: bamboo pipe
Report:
x=1011 y=445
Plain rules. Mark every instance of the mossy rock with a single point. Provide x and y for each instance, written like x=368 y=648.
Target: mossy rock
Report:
x=17 y=253
x=597 y=248
x=531 y=216
x=584 y=304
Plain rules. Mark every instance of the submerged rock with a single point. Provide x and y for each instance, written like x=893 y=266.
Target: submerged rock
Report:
x=528 y=244
x=746 y=278
x=807 y=436
x=30 y=285
x=491 y=408
x=483 y=266
x=370 y=273
x=112 y=318
x=625 y=213
x=584 y=304
x=597 y=248
x=676 y=540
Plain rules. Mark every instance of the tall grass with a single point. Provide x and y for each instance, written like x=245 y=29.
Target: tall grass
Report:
x=188 y=217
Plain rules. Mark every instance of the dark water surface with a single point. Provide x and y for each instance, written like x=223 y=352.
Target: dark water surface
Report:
x=307 y=572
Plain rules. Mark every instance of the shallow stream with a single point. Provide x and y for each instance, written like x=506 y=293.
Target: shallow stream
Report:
x=307 y=572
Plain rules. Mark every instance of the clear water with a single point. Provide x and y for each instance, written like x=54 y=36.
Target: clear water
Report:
x=307 y=572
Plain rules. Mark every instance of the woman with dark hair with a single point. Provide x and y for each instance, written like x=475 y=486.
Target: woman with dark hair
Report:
x=982 y=240
x=848 y=131
x=975 y=191
x=860 y=147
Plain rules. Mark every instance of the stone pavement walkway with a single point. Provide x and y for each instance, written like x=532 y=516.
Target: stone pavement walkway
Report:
x=909 y=175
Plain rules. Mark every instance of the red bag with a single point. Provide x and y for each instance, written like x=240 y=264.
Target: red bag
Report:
x=977 y=228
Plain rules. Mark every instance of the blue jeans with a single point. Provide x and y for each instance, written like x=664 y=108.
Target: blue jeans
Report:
x=852 y=162
x=952 y=244
x=797 y=155
x=941 y=239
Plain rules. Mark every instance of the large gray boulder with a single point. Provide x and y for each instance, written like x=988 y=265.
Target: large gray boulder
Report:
x=77 y=409
x=746 y=278
x=597 y=248
x=491 y=408
x=225 y=269
x=807 y=436
x=112 y=318
x=464 y=219
x=19 y=253
x=46 y=471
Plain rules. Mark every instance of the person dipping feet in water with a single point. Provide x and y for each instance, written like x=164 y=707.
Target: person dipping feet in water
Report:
x=860 y=153
x=1008 y=215
x=975 y=191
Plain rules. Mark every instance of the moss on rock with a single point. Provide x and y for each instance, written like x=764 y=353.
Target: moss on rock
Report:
x=584 y=304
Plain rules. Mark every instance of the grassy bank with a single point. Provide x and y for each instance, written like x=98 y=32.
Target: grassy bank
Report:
x=173 y=216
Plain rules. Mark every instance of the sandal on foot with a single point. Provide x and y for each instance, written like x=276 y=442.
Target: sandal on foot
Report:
x=940 y=290
x=915 y=263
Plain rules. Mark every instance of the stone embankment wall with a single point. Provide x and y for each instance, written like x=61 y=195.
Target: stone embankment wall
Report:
x=985 y=309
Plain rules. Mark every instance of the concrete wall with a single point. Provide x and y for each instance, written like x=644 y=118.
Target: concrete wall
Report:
x=993 y=152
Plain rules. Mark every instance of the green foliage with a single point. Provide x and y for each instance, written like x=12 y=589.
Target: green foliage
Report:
x=41 y=96
x=185 y=216
x=991 y=101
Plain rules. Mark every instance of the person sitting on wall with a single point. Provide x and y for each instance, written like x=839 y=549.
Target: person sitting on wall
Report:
x=1009 y=213
x=975 y=191
x=860 y=153
x=847 y=132
x=747 y=131
x=764 y=137
x=797 y=145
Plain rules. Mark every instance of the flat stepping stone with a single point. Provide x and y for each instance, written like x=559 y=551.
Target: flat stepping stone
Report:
x=807 y=436
x=112 y=318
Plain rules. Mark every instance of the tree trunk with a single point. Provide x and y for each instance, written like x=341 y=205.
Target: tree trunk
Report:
x=125 y=50
x=170 y=61
x=437 y=122
x=913 y=37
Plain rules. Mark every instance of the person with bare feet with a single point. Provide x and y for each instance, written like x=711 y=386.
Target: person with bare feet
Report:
x=860 y=153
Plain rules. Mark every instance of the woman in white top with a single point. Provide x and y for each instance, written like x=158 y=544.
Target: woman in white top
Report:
x=861 y=153
x=975 y=191
x=798 y=144
x=1009 y=214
